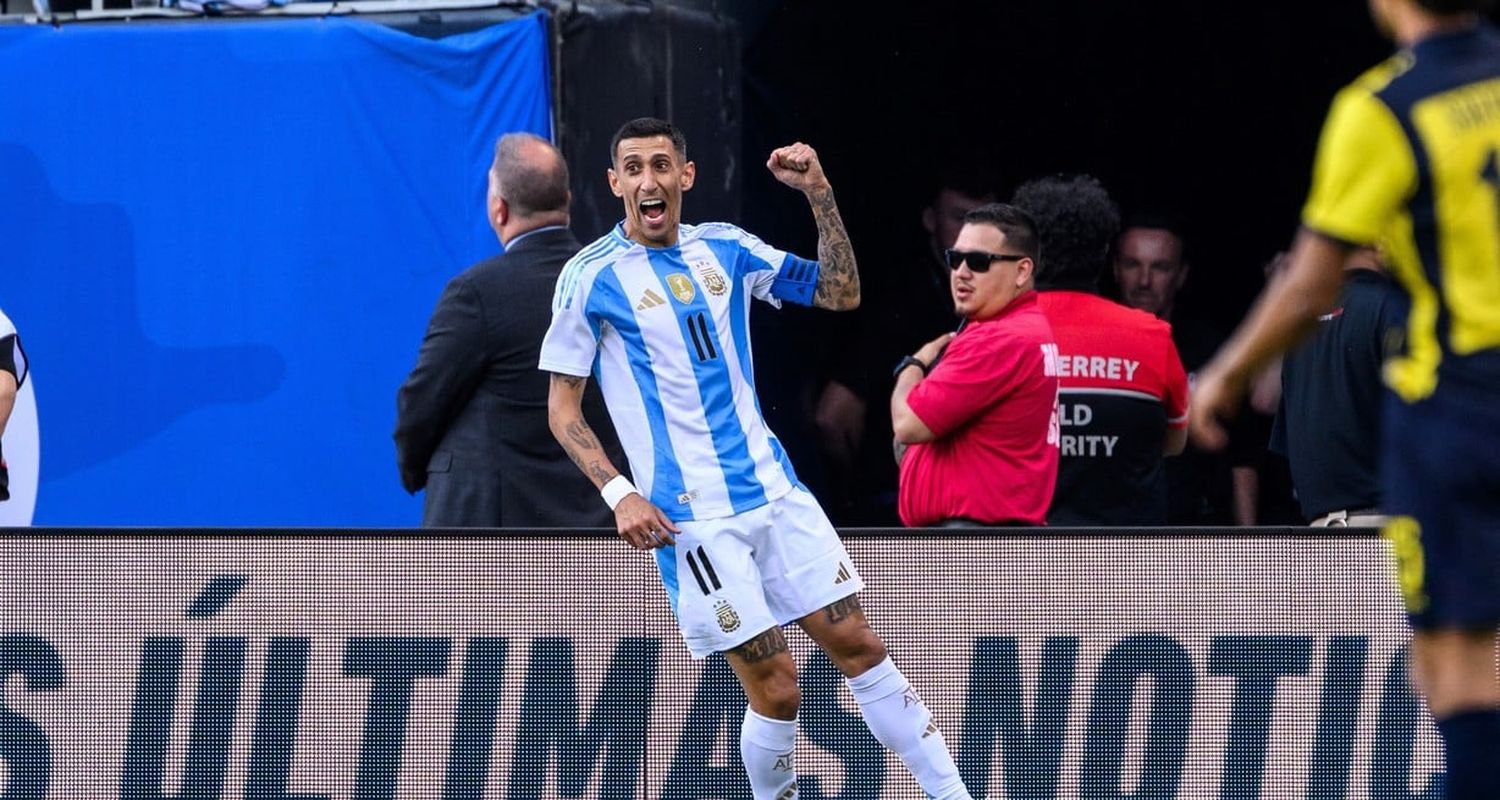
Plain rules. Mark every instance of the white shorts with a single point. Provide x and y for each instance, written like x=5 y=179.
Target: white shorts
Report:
x=733 y=578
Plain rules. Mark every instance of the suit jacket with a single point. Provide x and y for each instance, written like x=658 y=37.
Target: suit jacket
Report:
x=471 y=419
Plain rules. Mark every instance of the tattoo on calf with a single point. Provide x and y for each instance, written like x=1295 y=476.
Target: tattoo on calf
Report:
x=762 y=647
x=840 y=610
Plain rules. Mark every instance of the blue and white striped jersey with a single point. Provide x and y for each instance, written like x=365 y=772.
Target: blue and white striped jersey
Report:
x=666 y=332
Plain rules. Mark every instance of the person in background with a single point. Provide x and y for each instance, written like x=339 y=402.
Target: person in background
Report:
x=1260 y=479
x=1328 y=423
x=471 y=423
x=12 y=375
x=1124 y=393
x=904 y=304
x=975 y=413
x=1151 y=268
x=1409 y=161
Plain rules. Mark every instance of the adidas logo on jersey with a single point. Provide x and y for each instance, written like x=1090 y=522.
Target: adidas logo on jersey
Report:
x=649 y=300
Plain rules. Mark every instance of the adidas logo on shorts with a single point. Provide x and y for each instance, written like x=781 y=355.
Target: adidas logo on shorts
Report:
x=843 y=574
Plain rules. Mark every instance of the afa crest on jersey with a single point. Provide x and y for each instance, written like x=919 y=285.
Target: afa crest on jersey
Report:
x=712 y=278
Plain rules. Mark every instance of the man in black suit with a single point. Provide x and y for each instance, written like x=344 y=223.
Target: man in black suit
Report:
x=471 y=423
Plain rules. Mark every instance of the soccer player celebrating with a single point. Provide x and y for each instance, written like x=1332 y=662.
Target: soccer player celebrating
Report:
x=659 y=312
x=1410 y=161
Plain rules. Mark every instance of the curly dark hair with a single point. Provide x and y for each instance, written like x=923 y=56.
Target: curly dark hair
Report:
x=1076 y=222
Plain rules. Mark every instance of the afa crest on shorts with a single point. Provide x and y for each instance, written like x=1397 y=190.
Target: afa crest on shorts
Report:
x=729 y=619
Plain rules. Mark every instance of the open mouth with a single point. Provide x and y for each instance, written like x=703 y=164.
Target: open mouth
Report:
x=653 y=211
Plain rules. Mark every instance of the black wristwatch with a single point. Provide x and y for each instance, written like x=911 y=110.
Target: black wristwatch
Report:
x=909 y=361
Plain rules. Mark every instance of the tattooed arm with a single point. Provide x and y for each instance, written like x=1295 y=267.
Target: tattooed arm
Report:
x=797 y=166
x=565 y=418
x=838 y=275
x=639 y=523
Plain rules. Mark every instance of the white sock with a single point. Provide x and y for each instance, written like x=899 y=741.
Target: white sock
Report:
x=767 y=747
x=901 y=721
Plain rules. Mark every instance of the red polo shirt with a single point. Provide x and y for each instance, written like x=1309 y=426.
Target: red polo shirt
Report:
x=1123 y=386
x=992 y=403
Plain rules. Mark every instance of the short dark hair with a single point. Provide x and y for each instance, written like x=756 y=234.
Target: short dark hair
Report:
x=645 y=128
x=1077 y=223
x=1015 y=223
x=1160 y=220
x=530 y=185
x=969 y=175
x=1457 y=6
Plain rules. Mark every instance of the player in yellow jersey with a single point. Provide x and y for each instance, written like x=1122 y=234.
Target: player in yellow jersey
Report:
x=1409 y=161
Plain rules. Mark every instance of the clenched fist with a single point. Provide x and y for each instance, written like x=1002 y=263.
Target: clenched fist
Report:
x=796 y=165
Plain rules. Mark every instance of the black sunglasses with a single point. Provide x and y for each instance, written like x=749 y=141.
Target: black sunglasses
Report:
x=979 y=261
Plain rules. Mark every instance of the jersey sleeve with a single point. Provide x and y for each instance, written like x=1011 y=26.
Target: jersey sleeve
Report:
x=776 y=275
x=12 y=357
x=8 y=357
x=1363 y=173
x=573 y=338
x=1175 y=393
x=969 y=379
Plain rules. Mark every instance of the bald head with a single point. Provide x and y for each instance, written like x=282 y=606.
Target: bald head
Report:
x=528 y=185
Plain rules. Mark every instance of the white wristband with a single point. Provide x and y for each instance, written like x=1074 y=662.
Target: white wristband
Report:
x=616 y=489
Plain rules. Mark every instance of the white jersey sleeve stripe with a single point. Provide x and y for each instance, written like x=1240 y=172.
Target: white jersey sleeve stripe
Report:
x=572 y=272
x=572 y=340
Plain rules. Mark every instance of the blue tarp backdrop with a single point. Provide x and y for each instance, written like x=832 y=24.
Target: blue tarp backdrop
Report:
x=221 y=244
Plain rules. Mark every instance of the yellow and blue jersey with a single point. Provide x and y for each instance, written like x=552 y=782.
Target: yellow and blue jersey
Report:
x=1410 y=161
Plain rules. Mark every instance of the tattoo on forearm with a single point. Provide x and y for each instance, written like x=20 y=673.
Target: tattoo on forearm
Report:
x=579 y=441
x=575 y=457
x=840 y=610
x=762 y=647
x=838 y=276
x=582 y=435
x=583 y=448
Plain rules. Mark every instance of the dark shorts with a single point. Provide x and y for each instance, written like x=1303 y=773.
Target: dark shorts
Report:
x=1440 y=468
